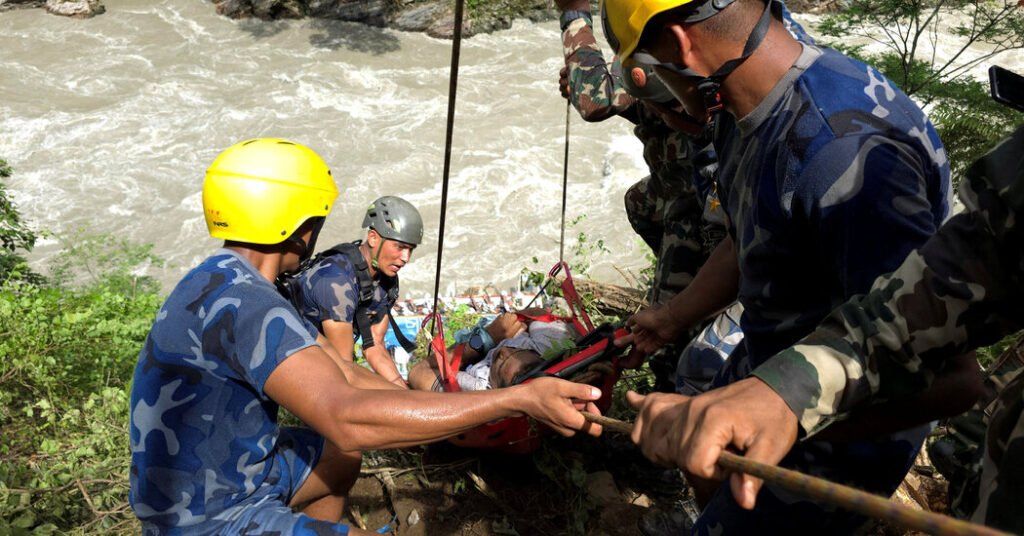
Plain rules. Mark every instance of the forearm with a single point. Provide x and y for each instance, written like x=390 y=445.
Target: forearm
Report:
x=364 y=378
x=713 y=289
x=380 y=361
x=593 y=90
x=399 y=419
x=954 y=391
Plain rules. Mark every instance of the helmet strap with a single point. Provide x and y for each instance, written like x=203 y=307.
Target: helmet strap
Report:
x=710 y=86
x=307 y=248
x=376 y=254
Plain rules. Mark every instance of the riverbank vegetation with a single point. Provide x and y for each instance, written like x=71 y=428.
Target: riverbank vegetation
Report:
x=69 y=340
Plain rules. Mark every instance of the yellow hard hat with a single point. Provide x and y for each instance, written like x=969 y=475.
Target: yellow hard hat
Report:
x=624 y=20
x=260 y=191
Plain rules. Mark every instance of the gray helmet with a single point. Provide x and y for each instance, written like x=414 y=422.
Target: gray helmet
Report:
x=395 y=218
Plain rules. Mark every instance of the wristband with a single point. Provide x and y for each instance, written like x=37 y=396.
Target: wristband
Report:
x=570 y=15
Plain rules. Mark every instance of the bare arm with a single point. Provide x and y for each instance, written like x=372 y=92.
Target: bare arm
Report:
x=355 y=374
x=341 y=337
x=379 y=358
x=312 y=387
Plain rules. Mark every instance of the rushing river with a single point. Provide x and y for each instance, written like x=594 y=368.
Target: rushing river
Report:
x=110 y=123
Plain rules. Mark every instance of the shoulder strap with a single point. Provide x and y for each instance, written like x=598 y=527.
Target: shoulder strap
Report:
x=365 y=284
x=407 y=345
x=351 y=250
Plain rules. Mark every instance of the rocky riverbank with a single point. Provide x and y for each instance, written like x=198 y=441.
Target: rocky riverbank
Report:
x=81 y=9
x=434 y=17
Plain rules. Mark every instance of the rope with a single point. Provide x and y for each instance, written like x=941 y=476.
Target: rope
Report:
x=836 y=494
x=565 y=181
x=453 y=84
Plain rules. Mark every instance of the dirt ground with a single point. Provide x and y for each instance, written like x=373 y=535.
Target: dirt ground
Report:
x=593 y=486
x=569 y=486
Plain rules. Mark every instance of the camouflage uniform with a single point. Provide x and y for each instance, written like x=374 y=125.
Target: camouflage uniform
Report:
x=962 y=290
x=208 y=456
x=664 y=208
x=828 y=183
x=674 y=209
x=330 y=291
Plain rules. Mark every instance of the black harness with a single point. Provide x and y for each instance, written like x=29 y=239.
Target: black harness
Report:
x=289 y=286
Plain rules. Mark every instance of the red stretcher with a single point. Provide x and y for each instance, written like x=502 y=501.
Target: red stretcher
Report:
x=520 y=435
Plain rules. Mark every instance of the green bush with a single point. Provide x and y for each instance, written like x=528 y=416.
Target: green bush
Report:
x=968 y=121
x=15 y=235
x=68 y=356
x=64 y=387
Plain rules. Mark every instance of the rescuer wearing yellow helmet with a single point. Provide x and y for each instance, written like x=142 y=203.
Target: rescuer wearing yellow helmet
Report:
x=226 y=351
x=829 y=177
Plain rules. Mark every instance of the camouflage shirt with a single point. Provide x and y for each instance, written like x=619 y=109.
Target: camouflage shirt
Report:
x=675 y=210
x=330 y=291
x=830 y=182
x=666 y=209
x=596 y=91
x=963 y=289
x=202 y=429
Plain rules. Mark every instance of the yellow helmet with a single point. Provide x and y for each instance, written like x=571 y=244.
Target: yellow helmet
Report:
x=624 y=20
x=260 y=191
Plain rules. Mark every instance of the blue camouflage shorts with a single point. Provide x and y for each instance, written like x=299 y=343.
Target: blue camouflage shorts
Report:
x=705 y=355
x=266 y=511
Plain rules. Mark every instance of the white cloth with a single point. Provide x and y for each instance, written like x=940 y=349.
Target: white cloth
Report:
x=538 y=337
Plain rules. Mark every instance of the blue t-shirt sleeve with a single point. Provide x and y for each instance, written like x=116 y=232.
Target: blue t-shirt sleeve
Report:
x=266 y=331
x=332 y=290
x=871 y=205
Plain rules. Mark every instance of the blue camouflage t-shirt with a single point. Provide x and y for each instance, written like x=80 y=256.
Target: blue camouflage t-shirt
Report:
x=830 y=182
x=330 y=291
x=202 y=429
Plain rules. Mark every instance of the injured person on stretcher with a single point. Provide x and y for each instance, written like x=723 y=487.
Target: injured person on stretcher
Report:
x=496 y=354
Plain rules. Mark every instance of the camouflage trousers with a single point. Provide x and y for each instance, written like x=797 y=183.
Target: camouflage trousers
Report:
x=669 y=220
x=1002 y=464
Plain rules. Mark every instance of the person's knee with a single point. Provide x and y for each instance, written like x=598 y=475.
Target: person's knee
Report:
x=333 y=475
x=339 y=468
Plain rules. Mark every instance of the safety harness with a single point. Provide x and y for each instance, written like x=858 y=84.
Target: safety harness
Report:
x=289 y=286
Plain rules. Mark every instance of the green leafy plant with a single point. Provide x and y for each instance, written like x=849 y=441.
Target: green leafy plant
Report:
x=105 y=260
x=15 y=236
x=968 y=121
x=69 y=352
x=566 y=471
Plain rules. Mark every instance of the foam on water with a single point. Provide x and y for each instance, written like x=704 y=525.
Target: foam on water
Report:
x=111 y=122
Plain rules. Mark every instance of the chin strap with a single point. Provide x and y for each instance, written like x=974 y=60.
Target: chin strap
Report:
x=307 y=248
x=710 y=86
x=376 y=254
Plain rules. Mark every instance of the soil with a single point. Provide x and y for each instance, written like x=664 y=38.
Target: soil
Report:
x=582 y=485
x=569 y=486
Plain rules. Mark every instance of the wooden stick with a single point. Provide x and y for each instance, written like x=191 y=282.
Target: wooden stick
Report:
x=836 y=494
